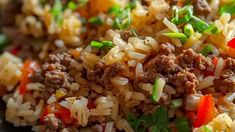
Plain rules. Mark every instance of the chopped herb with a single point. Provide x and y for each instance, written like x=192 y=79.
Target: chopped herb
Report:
x=115 y=10
x=3 y=41
x=228 y=8
x=95 y=20
x=157 y=122
x=199 y=24
x=72 y=5
x=57 y=12
x=122 y=20
x=175 y=35
x=182 y=125
x=207 y=49
x=134 y=32
x=176 y=103
x=206 y=129
x=157 y=89
x=102 y=44
x=212 y=29
x=183 y=15
x=188 y=29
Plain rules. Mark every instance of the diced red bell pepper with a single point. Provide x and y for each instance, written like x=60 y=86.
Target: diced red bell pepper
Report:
x=28 y=69
x=59 y=111
x=91 y=105
x=191 y=116
x=15 y=51
x=206 y=111
x=231 y=43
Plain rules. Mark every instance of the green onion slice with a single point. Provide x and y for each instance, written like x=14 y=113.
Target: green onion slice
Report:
x=212 y=29
x=188 y=29
x=95 y=20
x=175 y=35
x=57 y=12
x=207 y=49
x=228 y=8
x=206 y=129
x=102 y=44
x=157 y=89
x=183 y=15
x=199 y=24
x=182 y=125
x=176 y=103
x=116 y=10
x=72 y=5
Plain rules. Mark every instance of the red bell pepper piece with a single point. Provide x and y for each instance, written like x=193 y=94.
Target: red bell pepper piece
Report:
x=28 y=69
x=206 y=111
x=191 y=116
x=15 y=51
x=91 y=104
x=231 y=43
x=59 y=111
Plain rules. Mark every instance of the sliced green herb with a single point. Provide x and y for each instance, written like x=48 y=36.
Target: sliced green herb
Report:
x=134 y=32
x=228 y=8
x=188 y=29
x=176 y=103
x=207 y=49
x=199 y=24
x=182 y=125
x=102 y=44
x=57 y=12
x=115 y=10
x=123 y=20
x=156 y=122
x=212 y=29
x=95 y=20
x=183 y=15
x=157 y=89
x=3 y=41
x=72 y=5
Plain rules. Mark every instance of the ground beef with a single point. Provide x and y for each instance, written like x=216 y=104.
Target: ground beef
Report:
x=201 y=7
x=185 y=81
x=51 y=122
x=166 y=48
x=55 y=72
x=102 y=73
x=226 y=82
x=37 y=77
x=148 y=77
x=191 y=60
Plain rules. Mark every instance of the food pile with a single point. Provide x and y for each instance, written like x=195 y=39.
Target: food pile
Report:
x=118 y=65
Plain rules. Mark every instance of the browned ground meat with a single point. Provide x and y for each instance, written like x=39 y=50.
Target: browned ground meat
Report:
x=185 y=81
x=226 y=82
x=181 y=70
x=201 y=7
x=102 y=73
x=55 y=72
x=191 y=60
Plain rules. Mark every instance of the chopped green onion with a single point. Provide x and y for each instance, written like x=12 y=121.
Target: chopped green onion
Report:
x=175 y=35
x=116 y=10
x=134 y=32
x=199 y=24
x=95 y=20
x=3 y=41
x=57 y=12
x=188 y=29
x=207 y=49
x=183 y=15
x=102 y=44
x=182 y=125
x=228 y=8
x=212 y=29
x=206 y=129
x=157 y=89
x=122 y=20
x=176 y=103
x=72 y=5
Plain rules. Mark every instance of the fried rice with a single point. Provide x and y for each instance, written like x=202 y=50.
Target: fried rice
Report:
x=118 y=65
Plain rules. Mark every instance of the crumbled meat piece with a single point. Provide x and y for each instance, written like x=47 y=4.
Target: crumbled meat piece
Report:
x=201 y=7
x=69 y=129
x=102 y=73
x=55 y=72
x=52 y=122
x=163 y=64
x=97 y=128
x=191 y=60
x=166 y=48
x=185 y=80
x=148 y=77
x=125 y=35
x=226 y=82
